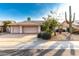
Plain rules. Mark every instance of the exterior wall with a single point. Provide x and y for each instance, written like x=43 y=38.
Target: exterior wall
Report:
x=21 y=29
x=11 y=29
x=39 y=29
x=1 y=29
x=8 y=29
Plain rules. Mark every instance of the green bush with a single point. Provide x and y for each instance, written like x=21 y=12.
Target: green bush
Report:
x=39 y=35
x=44 y=35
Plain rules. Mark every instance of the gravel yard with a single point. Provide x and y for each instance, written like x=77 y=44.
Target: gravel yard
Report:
x=64 y=35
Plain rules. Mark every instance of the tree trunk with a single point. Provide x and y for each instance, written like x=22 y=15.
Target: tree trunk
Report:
x=54 y=33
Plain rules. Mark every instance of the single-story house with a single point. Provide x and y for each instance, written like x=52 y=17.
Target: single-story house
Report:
x=25 y=27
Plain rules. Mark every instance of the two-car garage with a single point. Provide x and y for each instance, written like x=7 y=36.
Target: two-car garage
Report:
x=24 y=29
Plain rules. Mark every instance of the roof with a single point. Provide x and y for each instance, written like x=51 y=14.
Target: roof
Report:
x=27 y=23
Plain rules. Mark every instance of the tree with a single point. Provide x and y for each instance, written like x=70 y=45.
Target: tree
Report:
x=49 y=25
x=6 y=24
x=28 y=18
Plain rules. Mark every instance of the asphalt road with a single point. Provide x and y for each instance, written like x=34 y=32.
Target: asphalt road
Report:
x=40 y=52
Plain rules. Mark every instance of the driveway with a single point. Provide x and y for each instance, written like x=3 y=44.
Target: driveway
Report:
x=13 y=40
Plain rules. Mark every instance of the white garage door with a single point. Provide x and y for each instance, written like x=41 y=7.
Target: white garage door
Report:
x=16 y=29
x=30 y=29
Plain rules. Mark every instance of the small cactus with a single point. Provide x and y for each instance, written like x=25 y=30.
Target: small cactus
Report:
x=70 y=19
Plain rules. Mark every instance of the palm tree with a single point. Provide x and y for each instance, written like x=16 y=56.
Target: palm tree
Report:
x=28 y=18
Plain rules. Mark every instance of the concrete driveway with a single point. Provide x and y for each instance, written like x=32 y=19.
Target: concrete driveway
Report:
x=13 y=40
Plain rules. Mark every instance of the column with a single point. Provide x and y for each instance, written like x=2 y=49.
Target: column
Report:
x=11 y=30
x=20 y=29
x=39 y=29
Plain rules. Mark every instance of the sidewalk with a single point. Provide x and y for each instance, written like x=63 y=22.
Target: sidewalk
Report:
x=45 y=45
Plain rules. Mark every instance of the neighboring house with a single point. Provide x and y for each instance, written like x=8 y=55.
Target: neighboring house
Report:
x=1 y=26
x=65 y=25
x=75 y=25
x=25 y=27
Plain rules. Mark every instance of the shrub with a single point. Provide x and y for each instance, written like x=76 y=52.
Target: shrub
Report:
x=39 y=35
x=44 y=35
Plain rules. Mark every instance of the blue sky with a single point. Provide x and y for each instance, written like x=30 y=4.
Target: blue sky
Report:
x=20 y=11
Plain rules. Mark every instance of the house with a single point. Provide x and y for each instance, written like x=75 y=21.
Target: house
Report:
x=1 y=26
x=25 y=27
x=75 y=25
x=65 y=25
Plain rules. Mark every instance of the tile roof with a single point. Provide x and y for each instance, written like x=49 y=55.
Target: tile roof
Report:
x=27 y=23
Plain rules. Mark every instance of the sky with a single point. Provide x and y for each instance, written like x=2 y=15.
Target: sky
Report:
x=20 y=11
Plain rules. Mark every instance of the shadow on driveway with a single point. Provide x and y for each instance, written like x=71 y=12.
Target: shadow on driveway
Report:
x=63 y=45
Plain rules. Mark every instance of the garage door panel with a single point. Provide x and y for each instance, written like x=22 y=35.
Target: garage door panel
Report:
x=30 y=29
x=16 y=29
